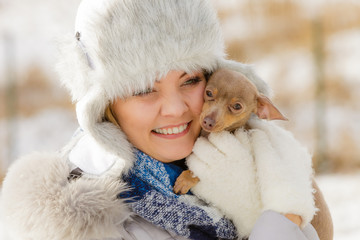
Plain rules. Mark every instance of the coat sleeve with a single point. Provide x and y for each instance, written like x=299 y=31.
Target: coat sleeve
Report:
x=274 y=226
x=139 y=229
x=39 y=202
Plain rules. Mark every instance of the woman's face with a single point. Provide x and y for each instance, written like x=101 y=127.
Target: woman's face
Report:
x=164 y=122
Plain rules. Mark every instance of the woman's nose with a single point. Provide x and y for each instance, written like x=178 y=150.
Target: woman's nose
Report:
x=173 y=105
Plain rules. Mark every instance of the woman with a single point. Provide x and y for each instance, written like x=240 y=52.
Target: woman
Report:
x=136 y=70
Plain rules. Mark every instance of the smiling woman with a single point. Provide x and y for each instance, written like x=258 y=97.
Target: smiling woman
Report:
x=164 y=122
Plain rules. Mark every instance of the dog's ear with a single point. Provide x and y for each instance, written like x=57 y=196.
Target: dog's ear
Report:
x=267 y=110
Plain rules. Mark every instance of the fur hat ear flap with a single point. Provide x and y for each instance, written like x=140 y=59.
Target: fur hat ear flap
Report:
x=73 y=67
x=90 y=111
x=249 y=72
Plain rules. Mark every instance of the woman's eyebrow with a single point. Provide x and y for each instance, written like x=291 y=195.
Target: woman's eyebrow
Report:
x=183 y=74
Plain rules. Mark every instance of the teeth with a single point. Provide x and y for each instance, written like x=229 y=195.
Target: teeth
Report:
x=174 y=130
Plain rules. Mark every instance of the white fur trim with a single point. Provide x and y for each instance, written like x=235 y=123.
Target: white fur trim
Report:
x=110 y=137
x=39 y=202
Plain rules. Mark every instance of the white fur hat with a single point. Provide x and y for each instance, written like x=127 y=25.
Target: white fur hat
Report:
x=122 y=46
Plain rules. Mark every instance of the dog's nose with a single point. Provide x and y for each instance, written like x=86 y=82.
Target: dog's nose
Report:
x=208 y=123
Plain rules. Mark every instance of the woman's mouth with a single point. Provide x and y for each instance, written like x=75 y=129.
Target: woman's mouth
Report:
x=173 y=131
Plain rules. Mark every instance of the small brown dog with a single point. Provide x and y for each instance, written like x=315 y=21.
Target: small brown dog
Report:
x=230 y=99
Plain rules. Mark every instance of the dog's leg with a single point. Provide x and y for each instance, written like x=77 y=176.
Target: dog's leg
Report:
x=185 y=182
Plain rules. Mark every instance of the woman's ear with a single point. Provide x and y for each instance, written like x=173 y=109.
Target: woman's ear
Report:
x=267 y=110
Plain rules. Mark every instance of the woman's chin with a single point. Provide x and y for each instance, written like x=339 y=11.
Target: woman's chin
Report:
x=169 y=150
x=173 y=153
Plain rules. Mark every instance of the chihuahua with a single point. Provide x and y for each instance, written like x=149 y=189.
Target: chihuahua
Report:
x=229 y=101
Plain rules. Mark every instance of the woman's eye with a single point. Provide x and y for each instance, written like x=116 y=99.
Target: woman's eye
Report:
x=192 y=81
x=144 y=93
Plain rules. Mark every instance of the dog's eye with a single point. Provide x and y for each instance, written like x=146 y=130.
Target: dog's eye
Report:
x=209 y=93
x=235 y=108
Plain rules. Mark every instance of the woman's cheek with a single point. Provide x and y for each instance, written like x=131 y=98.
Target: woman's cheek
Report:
x=198 y=98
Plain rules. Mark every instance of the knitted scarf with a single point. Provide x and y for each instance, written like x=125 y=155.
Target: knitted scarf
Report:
x=152 y=198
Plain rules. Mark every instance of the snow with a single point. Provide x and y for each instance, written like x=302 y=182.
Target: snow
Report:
x=33 y=27
x=342 y=193
x=48 y=130
x=296 y=67
x=345 y=46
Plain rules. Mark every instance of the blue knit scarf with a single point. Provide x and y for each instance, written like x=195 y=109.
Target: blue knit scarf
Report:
x=153 y=199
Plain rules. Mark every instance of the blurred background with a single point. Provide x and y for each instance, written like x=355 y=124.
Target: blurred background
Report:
x=307 y=50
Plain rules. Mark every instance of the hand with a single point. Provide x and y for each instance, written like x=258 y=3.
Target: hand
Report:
x=284 y=171
x=225 y=167
x=184 y=182
x=217 y=154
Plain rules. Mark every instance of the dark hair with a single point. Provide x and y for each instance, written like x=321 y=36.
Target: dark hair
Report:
x=207 y=74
